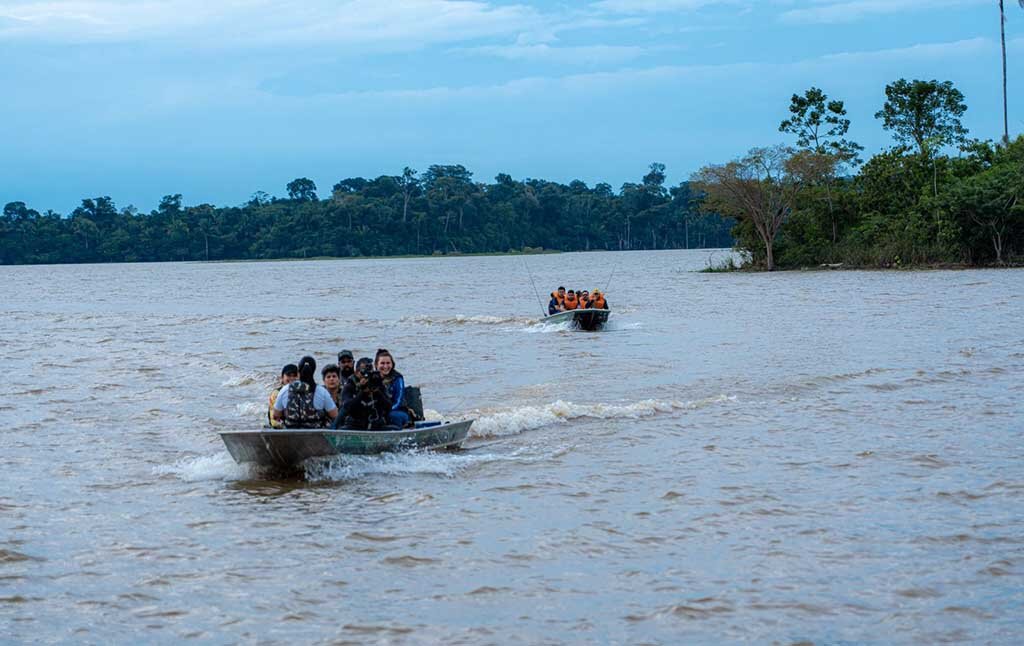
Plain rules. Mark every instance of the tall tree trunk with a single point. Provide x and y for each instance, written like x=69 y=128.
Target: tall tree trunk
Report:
x=1002 y=36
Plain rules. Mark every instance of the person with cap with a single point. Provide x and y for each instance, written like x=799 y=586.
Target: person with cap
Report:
x=598 y=301
x=364 y=400
x=346 y=363
x=288 y=374
x=304 y=403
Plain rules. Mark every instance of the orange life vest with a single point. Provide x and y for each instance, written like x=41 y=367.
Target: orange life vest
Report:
x=570 y=302
x=583 y=302
x=598 y=303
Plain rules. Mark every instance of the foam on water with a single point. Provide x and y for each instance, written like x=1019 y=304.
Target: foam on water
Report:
x=460 y=319
x=443 y=464
x=526 y=418
x=219 y=466
x=250 y=409
x=245 y=379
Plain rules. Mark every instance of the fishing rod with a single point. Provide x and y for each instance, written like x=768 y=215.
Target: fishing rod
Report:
x=543 y=312
x=612 y=275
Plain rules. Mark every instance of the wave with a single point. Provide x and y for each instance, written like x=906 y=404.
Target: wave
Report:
x=528 y=418
x=246 y=379
x=443 y=464
x=460 y=319
x=219 y=466
x=250 y=409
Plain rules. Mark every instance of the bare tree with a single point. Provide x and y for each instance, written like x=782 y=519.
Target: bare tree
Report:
x=1002 y=35
x=762 y=188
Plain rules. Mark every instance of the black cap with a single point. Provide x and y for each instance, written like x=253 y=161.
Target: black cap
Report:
x=345 y=354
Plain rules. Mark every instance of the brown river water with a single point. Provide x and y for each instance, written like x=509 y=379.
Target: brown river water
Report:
x=801 y=457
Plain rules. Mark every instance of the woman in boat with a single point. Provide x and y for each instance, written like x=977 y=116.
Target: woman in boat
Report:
x=394 y=383
x=304 y=404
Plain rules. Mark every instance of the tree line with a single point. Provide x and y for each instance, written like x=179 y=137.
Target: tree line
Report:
x=936 y=196
x=440 y=211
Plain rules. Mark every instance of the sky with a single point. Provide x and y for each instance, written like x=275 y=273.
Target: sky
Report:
x=219 y=99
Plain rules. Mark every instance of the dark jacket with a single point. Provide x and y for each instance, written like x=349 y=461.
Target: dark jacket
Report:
x=395 y=384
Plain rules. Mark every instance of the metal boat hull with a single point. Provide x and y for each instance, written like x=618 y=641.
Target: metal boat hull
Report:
x=287 y=448
x=586 y=319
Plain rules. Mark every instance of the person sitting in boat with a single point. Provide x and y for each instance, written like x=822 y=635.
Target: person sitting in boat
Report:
x=331 y=375
x=304 y=404
x=394 y=382
x=364 y=399
x=570 y=302
x=598 y=301
x=555 y=304
x=288 y=374
x=346 y=364
x=584 y=299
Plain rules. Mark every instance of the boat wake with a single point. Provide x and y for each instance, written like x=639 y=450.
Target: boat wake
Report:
x=448 y=464
x=219 y=466
x=526 y=418
x=460 y=319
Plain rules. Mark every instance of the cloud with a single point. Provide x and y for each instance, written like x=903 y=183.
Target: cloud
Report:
x=657 y=6
x=591 y=54
x=585 y=83
x=854 y=10
x=352 y=23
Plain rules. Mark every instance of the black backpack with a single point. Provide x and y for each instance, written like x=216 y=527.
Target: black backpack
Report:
x=414 y=402
x=300 y=411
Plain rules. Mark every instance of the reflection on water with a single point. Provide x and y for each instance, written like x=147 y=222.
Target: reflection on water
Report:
x=821 y=457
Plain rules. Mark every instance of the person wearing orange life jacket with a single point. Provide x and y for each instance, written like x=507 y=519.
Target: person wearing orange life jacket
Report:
x=584 y=298
x=571 y=302
x=561 y=296
x=598 y=301
x=555 y=304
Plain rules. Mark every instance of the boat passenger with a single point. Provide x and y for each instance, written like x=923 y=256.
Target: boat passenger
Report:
x=304 y=404
x=555 y=305
x=364 y=400
x=346 y=362
x=598 y=301
x=561 y=296
x=584 y=298
x=394 y=382
x=288 y=374
x=331 y=375
x=571 y=303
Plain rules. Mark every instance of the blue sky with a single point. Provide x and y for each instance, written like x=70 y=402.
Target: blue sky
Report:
x=217 y=99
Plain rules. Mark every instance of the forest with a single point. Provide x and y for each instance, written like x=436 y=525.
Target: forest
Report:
x=439 y=211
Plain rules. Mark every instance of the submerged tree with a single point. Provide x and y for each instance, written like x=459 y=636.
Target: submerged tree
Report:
x=762 y=188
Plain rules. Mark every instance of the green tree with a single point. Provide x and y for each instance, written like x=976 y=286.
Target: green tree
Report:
x=302 y=190
x=820 y=124
x=761 y=188
x=924 y=113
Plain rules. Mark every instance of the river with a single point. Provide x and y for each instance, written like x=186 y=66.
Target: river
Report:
x=797 y=457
